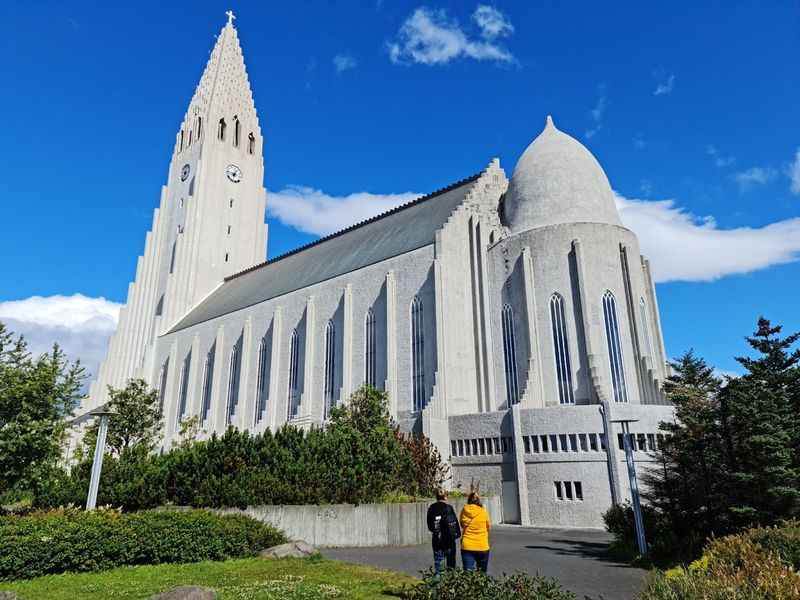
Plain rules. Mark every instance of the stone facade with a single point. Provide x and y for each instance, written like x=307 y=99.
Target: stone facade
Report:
x=510 y=321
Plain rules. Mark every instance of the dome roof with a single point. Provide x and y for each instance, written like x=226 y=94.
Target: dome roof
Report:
x=557 y=180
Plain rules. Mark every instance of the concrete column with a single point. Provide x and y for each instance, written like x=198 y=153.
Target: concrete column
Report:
x=246 y=411
x=194 y=400
x=533 y=394
x=611 y=453
x=275 y=401
x=478 y=319
x=347 y=345
x=488 y=338
x=308 y=396
x=651 y=289
x=171 y=393
x=519 y=463
x=216 y=385
x=439 y=399
x=391 y=342
x=631 y=306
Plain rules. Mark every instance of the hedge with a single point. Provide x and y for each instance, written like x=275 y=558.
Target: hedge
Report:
x=74 y=540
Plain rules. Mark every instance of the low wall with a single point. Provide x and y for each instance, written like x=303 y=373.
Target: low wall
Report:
x=348 y=525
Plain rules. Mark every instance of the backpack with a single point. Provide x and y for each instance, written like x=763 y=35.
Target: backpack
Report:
x=452 y=530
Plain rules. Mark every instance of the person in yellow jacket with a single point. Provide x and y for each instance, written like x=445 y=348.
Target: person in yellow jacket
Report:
x=474 y=534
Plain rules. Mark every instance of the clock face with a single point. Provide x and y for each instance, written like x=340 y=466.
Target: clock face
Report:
x=233 y=173
x=185 y=170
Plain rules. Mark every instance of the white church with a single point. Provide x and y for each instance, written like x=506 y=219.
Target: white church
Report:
x=511 y=321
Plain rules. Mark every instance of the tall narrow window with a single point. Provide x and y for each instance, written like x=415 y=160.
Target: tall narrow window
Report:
x=199 y=127
x=172 y=257
x=190 y=138
x=180 y=146
x=648 y=341
x=251 y=143
x=182 y=393
x=294 y=394
x=162 y=386
x=330 y=367
x=221 y=129
x=262 y=387
x=417 y=354
x=561 y=350
x=208 y=382
x=369 y=349
x=233 y=381
x=614 y=348
x=236 y=131
x=510 y=356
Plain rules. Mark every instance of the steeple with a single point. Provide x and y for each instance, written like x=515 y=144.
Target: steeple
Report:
x=223 y=91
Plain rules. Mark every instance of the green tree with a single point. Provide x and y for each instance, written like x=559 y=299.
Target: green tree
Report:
x=36 y=396
x=760 y=413
x=136 y=419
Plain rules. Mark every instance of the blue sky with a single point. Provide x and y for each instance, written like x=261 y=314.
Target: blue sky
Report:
x=693 y=111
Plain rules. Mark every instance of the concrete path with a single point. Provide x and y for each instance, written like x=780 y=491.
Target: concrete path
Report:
x=578 y=558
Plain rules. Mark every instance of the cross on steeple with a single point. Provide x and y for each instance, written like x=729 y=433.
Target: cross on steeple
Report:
x=231 y=16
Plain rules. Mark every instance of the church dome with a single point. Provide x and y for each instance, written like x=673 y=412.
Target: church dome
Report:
x=557 y=180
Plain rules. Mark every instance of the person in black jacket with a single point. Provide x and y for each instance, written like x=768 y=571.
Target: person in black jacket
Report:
x=443 y=524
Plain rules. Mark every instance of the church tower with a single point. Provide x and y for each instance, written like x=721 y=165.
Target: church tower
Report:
x=210 y=221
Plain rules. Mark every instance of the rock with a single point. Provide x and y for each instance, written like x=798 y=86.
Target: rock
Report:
x=9 y=596
x=186 y=592
x=298 y=549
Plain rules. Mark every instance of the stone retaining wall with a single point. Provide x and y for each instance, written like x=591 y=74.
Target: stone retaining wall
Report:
x=348 y=525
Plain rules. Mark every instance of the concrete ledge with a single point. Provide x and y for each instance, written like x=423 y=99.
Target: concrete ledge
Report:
x=364 y=525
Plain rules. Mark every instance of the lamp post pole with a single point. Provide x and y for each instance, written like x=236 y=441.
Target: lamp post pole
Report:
x=641 y=542
x=97 y=463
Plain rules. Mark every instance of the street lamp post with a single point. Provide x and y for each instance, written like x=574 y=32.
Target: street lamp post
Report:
x=637 y=506
x=99 y=451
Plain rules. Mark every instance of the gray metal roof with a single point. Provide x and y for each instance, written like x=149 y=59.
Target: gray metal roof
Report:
x=396 y=232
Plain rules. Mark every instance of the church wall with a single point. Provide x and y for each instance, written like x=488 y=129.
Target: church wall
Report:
x=555 y=270
x=414 y=277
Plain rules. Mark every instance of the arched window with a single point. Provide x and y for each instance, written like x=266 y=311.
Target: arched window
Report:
x=614 y=348
x=561 y=350
x=182 y=393
x=221 y=129
x=369 y=349
x=234 y=372
x=208 y=382
x=162 y=386
x=236 y=131
x=251 y=143
x=646 y=328
x=330 y=367
x=417 y=354
x=262 y=387
x=294 y=357
x=510 y=356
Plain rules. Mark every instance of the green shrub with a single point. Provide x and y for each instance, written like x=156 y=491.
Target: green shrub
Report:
x=74 y=540
x=459 y=585
x=359 y=457
x=754 y=565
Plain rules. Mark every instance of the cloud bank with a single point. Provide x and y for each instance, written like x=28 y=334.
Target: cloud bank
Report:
x=79 y=324
x=430 y=37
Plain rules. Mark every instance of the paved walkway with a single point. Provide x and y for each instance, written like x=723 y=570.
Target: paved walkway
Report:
x=578 y=558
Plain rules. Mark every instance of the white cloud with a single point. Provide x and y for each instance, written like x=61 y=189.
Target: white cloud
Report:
x=492 y=22
x=81 y=325
x=344 y=62
x=430 y=37
x=719 y=160
x=598 y=112
x=794 y=174
x=684 y=247
x=754 y=176
x=318 y=213
x=665 y=84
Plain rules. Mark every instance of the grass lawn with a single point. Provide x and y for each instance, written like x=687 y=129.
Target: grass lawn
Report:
x=244 y=579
